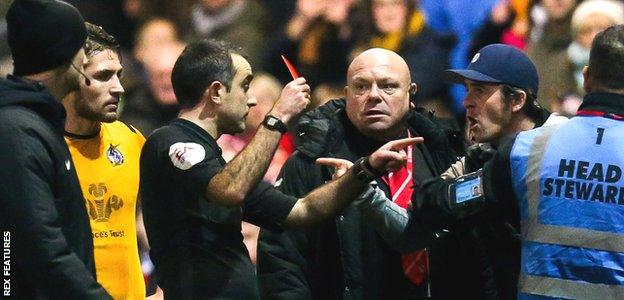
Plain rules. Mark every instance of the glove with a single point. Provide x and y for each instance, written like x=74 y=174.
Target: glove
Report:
x=477 y=155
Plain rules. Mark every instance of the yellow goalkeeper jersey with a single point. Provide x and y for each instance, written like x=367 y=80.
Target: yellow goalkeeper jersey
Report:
x=108 y=169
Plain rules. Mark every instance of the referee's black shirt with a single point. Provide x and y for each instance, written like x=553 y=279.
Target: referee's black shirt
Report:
x=196 y=244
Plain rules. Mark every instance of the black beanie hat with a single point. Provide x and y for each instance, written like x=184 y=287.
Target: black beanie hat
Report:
x=43 y=34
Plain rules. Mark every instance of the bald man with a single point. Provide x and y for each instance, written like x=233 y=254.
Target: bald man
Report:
x=194 y=202
x=346 y=257
x=501 y=83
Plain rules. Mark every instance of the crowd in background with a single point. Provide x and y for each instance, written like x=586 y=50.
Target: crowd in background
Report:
x=321 y=37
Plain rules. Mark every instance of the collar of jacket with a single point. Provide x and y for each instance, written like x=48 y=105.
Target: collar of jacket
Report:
x=541 y=117
x=15 y=91
x=605 y=102
x=323 y=128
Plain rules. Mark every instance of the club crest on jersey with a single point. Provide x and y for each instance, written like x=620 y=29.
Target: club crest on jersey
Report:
x=115 y=156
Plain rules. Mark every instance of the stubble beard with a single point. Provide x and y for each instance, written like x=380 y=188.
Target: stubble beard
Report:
x=86 y=112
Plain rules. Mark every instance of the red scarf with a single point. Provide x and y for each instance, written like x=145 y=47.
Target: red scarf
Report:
x=415 y=264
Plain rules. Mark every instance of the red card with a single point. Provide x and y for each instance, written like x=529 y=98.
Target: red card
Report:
x=291 y=68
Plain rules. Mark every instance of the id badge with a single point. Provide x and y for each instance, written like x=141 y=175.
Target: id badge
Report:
x=466 y=191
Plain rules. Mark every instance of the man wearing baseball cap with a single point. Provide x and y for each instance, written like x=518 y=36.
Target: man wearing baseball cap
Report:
x=563 y=184
x=502 y=83
x=46 y=232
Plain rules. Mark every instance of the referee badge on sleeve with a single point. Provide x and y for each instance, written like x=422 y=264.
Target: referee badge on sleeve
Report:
x=185 y=155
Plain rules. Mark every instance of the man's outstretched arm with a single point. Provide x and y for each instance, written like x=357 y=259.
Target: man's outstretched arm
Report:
x=391 y=221
x=332 y=197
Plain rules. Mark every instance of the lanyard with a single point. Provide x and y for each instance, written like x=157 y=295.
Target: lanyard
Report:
x=399 y=187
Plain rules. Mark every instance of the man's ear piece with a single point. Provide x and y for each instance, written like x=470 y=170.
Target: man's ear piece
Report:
x=413 y=89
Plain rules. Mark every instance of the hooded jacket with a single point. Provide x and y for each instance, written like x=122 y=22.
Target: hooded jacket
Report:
x=346 y=258
x=47 y=240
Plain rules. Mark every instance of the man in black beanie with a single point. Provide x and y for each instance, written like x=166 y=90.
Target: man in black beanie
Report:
x=48 y=247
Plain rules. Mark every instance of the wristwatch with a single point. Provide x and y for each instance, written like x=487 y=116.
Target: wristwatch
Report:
x=364 y=171
x=274 y=123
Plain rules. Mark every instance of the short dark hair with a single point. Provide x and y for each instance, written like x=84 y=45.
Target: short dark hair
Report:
x=606 y=58
x=99 y=40
x=530 y=109
x=201 y=63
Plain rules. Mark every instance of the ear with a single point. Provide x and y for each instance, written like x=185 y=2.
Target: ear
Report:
x=413 y=88
x=346 y=91
x=587 y=84
x=213 y=92
x=519 y=101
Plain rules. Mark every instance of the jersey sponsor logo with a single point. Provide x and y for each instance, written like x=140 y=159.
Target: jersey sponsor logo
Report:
x=114 y=155
x=108 y=234
x=185 y=155
x=100 y=209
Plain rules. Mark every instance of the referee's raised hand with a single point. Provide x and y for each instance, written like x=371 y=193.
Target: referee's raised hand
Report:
x=294 y=98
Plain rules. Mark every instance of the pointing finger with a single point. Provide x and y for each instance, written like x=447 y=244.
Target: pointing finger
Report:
x=402 y=143
x=334 y=162
x=340 y=165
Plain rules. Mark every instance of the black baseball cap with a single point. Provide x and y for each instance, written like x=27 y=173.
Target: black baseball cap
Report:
x=499 y=63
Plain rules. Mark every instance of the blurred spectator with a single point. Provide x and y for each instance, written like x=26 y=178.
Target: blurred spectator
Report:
x=518 y=33
x=154 y=104
x=109 y=14
x=239 y=22
x=508 y=24
x=549 y=53
x=317 y=38
x=461 y=18
x=153 y=34
x=399 y=26
x=278 y=11
x=178 y=12
x=324 y=93
x=589 y=18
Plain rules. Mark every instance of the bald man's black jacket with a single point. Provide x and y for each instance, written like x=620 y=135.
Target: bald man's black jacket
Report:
x=345 y=257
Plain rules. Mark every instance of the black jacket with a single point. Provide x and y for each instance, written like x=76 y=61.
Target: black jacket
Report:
x=492 y=237
x=345 y=258
x=46 y=231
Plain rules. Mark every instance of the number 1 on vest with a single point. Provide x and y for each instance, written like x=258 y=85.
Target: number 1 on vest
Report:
x=599 y=137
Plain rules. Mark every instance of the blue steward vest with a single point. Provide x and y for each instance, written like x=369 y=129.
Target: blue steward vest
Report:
x=568 y=179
